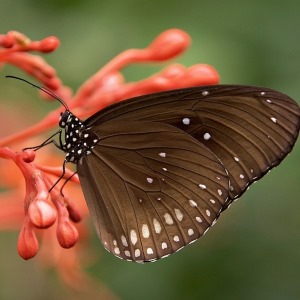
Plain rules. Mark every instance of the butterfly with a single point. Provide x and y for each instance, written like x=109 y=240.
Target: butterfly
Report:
x=157 y=170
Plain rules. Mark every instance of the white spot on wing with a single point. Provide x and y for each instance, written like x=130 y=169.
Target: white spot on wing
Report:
x=186 y=121
x=190 y=232
x=117 y=250
x=202 y=186
x=133 y=237
x=205 y=93
x=192 y=203
x=145 y=231
x=149 y=179
x=157 y=226
x=124 y=241
x=164 y=245
x=168 y=219
x=149 y=251
x=178 y=214
x=274 y=120
x=162 y=154
x=206 y=136
x=198 y=219
x=127 y=253
x=137 y=252
x=176 y=238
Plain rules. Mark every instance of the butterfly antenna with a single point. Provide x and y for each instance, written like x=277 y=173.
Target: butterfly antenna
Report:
x=50 y=93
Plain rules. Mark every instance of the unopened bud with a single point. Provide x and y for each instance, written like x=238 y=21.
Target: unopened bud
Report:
x=27 y=242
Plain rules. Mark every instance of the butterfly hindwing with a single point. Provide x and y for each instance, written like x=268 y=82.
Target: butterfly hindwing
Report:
x=154 y=188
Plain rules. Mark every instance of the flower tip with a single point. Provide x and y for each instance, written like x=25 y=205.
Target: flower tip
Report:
x=28 y=156
x=49 y=44
x=27 y=245
x=53 y=84
x=41 y=214
x=67 y=234
x=170 y=43
x=6 y=41
x=205 y=74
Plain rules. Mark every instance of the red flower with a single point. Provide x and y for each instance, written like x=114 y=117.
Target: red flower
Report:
x=43 y=209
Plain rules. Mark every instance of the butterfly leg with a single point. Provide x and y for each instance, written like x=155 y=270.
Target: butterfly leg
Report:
x=61 y=176
x=67 y=180
x=61 y=145
x=47 y=142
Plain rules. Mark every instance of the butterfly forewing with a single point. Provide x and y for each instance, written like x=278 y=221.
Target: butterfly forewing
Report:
x=167 y=164
x=249 y=129
x=157 y=189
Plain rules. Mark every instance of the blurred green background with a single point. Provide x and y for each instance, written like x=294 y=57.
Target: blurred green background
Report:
x=253 y=252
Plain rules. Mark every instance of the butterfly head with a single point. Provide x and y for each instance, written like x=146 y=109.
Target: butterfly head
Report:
x=65 y=117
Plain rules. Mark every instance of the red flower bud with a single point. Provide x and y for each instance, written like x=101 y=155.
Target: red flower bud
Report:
x=168 y=44
x=6 y=41
x=74 y=212
x=67 y=234
x=28 y=156
x=203 y=74
x=27 y=242
x=49 y=44
x=41 y=214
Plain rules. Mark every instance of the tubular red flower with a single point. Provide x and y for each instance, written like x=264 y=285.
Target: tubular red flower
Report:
x=106 y=86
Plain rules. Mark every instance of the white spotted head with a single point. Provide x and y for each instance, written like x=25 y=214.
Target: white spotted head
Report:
x=65 y=117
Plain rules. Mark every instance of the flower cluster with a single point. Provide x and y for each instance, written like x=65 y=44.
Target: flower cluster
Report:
x=43 y=209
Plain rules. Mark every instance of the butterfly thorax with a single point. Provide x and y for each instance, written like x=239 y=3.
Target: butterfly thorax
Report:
x=79 y=140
